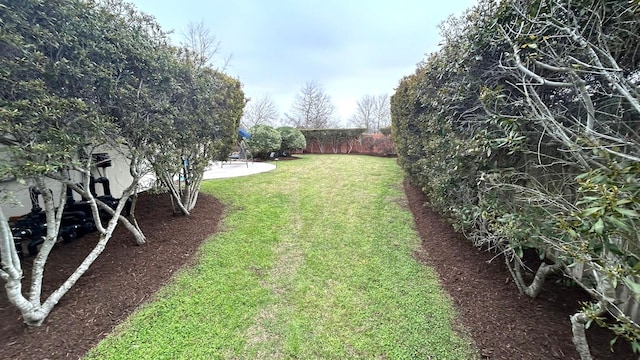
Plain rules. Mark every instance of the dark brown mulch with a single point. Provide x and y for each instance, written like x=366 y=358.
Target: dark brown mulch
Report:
x=504 y=324
x=121 y=279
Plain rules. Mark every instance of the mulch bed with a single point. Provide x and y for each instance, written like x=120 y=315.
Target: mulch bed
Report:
x=503 y=324
x=121 y=279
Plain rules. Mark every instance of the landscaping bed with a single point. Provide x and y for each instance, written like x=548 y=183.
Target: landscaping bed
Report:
x=504 y=324
x=122 y=278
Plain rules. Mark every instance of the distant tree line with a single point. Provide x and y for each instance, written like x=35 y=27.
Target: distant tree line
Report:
x=313 y=108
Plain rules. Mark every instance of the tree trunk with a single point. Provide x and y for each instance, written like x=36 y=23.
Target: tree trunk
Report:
x=533 y=289
x=31 y=315
x=194 y=191
x=321 y=147
x=53 y=220
x=105 y=236
x=11 y=267
x=32 y=311
x=135 y=230
x=578 y=326
x=11 y=272
x=176 y=199
x=578 y=321
x=133 y=220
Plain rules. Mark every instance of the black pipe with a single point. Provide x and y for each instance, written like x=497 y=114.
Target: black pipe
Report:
x=106 y=189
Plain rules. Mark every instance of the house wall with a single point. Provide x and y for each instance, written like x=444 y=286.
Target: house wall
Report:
x=15 y=199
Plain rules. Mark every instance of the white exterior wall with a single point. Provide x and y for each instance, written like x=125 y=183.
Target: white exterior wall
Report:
x=19 y=202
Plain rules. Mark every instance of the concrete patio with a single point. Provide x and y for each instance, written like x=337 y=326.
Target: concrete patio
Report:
x=227 y=169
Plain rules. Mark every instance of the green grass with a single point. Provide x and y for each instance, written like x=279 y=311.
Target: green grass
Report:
x=315 y=262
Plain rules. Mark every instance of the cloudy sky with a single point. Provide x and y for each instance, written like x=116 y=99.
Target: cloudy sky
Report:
x=351 y=47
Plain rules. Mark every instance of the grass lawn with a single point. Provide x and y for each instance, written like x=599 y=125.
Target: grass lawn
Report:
x=314 y=262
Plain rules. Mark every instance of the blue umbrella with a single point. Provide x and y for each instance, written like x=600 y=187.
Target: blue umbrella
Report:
x=244 y=133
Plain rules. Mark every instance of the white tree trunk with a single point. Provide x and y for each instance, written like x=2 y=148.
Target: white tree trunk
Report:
x=194 y=191
x=176 y=198
x=135 y=230
x=11 y=272
x=578 y=326
x=578 y=321
x=133 y=220
x=533 y=289
x=53 y=218
x=33 y=311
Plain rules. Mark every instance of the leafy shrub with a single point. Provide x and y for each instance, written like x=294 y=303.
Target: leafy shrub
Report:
x=331 y=137
x=505 y=132
x=264 y=139
x=292 y=139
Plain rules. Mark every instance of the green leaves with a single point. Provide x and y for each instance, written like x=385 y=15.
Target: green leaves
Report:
x=597 y=227
x=519 y=132
x=264 y=139
x=75 y=75
x=292 y=139
x=627 y=212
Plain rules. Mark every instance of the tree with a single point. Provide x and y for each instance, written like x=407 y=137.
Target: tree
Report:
x=262 y=111
x=264 y=139
x=372 y=113
x=312 y=108
x=382 y=118
x=365 y=113
x=205 y=107
x=135 y=96
x=292 y=139
x=202 y=46
x=92 y=74
x=332 y=137
x=56 y=76
x=207 y=110
x=523 y=129
x=577 y=90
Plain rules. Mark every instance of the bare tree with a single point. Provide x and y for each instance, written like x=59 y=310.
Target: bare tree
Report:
x=262 y=111
x=312 y=108
x=365 y=112
x=202 y=45
x=372 y=113
x=382 y=112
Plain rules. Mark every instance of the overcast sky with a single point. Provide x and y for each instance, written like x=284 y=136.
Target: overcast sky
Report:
x=351 y=47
